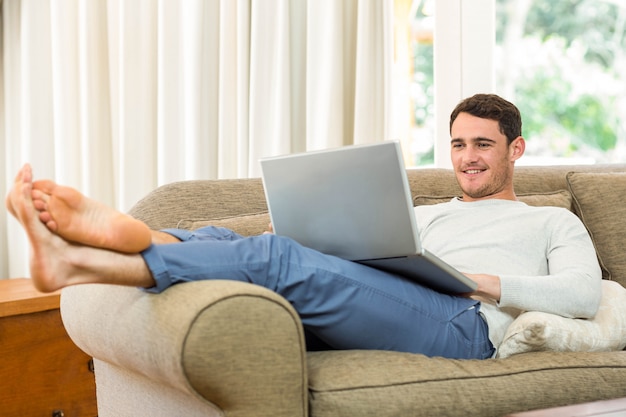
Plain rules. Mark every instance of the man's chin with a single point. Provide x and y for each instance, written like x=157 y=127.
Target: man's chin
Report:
x=475 y=193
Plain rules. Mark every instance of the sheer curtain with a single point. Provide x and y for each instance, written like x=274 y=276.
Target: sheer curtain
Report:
x=116 y=97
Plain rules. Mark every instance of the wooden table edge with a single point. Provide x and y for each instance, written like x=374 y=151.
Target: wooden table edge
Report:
x=19 y=296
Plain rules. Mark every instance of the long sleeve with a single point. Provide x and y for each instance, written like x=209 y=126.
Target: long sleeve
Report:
x=571 y=287
x=543 y=255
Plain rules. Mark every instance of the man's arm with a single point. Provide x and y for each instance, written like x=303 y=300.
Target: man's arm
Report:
x=572 y=287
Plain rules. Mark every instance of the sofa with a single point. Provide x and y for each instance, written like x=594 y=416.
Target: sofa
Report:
x=221 y=348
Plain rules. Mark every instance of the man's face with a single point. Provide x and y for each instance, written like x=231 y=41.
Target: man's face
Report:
x=483 y=161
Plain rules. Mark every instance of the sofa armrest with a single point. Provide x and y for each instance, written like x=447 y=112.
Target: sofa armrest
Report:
x=239 y=346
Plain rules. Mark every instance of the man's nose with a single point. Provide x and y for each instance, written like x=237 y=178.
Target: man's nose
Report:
x=470 y=154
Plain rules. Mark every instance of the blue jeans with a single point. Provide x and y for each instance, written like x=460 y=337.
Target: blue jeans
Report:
x=342 y=304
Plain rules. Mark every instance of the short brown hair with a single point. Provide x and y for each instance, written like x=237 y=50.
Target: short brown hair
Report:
x=492 y=107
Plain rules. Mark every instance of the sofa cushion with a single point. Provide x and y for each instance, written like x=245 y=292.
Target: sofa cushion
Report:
x=257 y=223
x=560 y=198
x=389 y=384
x=246 y=225
x=599 y=202
x=537 y=331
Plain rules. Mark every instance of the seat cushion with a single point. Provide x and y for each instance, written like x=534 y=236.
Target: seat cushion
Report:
x=386 y=384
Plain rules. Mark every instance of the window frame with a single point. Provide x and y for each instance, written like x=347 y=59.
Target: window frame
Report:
x=464 y=47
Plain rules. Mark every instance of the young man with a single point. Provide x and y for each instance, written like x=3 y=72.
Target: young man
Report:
x=523 y=258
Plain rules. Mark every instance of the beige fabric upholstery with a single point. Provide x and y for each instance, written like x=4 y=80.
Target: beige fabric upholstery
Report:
x=386 y=384
x=234 y=349
x=248 y=225
x=202 y=340
x=157 y=399
x=555 y=198
x=599 y=200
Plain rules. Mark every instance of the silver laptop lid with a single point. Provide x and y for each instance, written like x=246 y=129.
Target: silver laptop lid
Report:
x=353 y=202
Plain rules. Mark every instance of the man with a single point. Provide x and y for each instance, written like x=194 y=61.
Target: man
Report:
x=523 y=258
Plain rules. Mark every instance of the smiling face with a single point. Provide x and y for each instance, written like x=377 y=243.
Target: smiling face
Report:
x=482 y=158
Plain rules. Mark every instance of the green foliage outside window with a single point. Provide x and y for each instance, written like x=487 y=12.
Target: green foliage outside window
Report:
x=562 y=62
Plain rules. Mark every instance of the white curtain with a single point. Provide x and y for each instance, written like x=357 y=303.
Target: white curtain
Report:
x=116 y=97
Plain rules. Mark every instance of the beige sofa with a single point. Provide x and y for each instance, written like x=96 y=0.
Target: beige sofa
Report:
x=218 y=348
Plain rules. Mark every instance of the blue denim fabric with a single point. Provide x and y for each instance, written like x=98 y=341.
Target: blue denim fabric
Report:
x=342 y=304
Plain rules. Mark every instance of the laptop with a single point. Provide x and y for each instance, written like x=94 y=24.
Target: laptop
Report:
x=354 y=202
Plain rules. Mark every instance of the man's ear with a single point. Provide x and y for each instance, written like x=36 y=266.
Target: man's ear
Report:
x=517 y=148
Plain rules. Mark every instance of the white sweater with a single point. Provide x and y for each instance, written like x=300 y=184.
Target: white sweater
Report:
x=543 y=255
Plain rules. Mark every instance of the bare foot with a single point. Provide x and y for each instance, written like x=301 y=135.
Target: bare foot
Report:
x=18 y=178
x=56 y=263
x=47 y=248
x=76 y=218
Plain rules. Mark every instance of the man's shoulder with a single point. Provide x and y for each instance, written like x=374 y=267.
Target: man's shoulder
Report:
x=547 y=209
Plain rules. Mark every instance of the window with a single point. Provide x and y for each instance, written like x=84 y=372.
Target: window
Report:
x=559 y=61
x=414 y=80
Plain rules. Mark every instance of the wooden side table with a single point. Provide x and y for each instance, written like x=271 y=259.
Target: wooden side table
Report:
x=43 y=372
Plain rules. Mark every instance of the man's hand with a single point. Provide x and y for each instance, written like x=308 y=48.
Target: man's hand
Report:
x=488 y=286
x=270 y=229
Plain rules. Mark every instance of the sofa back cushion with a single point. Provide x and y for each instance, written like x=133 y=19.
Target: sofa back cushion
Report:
x=245 y=225
x=561 y=198
x=599 y=202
